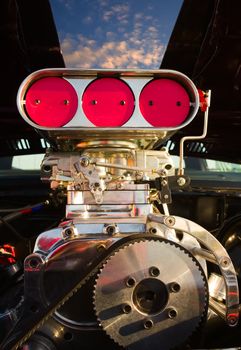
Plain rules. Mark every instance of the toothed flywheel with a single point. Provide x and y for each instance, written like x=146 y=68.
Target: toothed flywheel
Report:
x=150 y=294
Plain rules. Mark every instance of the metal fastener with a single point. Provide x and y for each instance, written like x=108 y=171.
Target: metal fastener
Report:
x=126 y=308
x=169 y=221
x=68 y=232
x=148 y=324
x=130 y=282
x=225 y=262
x=84 y=161
x=181 y=181
x=153 y=230
x=172 y=313
x=154 y=271
x=175 y=287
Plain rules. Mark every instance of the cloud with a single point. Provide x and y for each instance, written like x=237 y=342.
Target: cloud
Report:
x=133 y=43
x=119 y=12
x=85 y=53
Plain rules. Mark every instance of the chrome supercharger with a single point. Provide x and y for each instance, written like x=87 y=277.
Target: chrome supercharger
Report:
x=120 y=271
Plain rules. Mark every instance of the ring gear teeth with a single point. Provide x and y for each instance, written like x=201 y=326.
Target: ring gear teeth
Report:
x=14 y=342
x=139 y=328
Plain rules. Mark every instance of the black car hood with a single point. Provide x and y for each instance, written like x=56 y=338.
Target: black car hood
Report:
x=29 y=42
x=205 y=45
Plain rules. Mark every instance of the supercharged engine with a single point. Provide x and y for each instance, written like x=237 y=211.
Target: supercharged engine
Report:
x=119 y=271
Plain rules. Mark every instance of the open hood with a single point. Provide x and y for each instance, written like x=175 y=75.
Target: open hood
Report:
x=29 y=42
x=206 y=45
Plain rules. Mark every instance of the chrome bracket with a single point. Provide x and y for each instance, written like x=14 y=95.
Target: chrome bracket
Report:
x=220 y=254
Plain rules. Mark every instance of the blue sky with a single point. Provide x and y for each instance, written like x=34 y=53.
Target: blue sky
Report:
x=114 y=33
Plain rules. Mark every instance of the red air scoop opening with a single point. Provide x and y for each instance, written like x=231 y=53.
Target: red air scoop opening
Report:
x=51 y=102
x=164 y=103
x=108 y=102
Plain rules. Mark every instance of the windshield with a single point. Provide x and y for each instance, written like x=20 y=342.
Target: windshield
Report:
x=114 y=33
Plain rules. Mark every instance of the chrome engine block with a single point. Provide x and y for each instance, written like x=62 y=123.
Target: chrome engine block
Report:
x=120 y=271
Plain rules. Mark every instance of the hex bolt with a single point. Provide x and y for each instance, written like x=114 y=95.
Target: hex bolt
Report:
x=130 y=282
x=126 y=308
x=122 y=102
x=66 y=102
x=172 y=313
x=169 y=221
x=68 y=232
x=181 y=181
x=94 y=102
x=154 y=271
x=225 y=262
x=37 y=102
x=84 y=162
x=148 y=324
x=153 y=230
x=175 y=287
x=111 y=229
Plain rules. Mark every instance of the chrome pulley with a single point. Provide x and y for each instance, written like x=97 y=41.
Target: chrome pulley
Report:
x=151 y=294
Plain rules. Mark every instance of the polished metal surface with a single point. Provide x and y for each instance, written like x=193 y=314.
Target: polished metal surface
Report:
x=147 y=292
x=147 y=271
x=106 y=175
x=136 y=128
x=217 y=287
x=50 y=240
x=110 y=197
x=219 y=252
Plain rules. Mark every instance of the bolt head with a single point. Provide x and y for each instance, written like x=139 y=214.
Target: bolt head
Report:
x=126 y=308
x=154 y=271
x=148 y=324
x=169 y=221
x=181 y=181
x=175 y=287
x=225 y=262
x=172 y=313
x=84 y=162
x=130 y=282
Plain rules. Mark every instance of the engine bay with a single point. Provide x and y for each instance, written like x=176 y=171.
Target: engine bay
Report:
x=114 y=265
